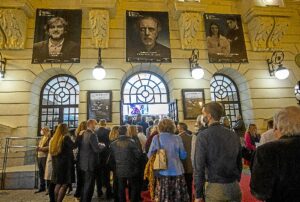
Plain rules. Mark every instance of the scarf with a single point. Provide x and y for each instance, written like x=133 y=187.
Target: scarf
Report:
x=149 y=174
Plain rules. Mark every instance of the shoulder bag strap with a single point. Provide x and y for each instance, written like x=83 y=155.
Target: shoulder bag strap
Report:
x=159 y=146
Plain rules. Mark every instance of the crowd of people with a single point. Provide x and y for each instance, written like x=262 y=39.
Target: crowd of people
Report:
x=172 y=162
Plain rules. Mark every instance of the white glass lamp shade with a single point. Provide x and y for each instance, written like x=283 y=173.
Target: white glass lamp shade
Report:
x=197 y=73
x=99 y=72
x=282 y=73
x=297 y=92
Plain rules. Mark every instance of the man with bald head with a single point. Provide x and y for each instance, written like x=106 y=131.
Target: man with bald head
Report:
x=276 y=165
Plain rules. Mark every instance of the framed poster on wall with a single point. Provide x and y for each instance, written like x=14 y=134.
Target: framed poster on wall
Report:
x=147 y=37
x=99 y=105
x=193 y=101
x=57 y=36
x=225 y=38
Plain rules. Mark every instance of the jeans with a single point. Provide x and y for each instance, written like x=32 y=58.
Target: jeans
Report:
x=217 y=192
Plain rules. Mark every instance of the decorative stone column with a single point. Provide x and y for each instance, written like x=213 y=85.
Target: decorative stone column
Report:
x=267 y=26
x=99 y=22
x=13 y=23
x=189 y=16
x=99 y=14
x=189 y=27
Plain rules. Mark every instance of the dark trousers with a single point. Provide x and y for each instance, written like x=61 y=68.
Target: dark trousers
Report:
x=51 y=188
x=88 y=186
x=79 y=181
x=189 y=183
x=134 y=184
x=103 y=178
x=42 y=165
x=115 y=187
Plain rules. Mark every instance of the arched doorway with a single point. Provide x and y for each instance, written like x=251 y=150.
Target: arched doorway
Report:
x=59 y=100
x=145 y=93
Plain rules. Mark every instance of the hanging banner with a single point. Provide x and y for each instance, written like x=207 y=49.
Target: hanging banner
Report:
x=57 y=36
x=147 y=37
x=225 y=38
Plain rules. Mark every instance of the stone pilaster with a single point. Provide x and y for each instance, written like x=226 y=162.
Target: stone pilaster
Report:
x=13 y=23
x=267 y=26
x=99 y=23
x=189 y=27
x=189 y=16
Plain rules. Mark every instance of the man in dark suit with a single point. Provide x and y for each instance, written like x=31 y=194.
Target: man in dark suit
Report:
x=275 y=175
x=89 y=159
x=103 y=174
x=57 y=48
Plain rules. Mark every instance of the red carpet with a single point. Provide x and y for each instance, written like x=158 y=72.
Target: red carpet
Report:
x=245 y=181
x=247 y=197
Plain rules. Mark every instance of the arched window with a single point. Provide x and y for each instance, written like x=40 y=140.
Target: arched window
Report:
x=144 y=93
x=59 y=102
x=145 y=88
x=224 y=90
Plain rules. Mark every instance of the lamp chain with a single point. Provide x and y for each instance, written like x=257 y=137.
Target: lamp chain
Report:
x=99 y=57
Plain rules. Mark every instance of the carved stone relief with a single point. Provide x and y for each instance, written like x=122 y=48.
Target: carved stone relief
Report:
x=189 y=27
x=13 y=25
x=99 y=22
x=266 y=32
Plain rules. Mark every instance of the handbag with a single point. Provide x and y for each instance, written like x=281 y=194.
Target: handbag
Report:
x=160 y=162
x=247 y=154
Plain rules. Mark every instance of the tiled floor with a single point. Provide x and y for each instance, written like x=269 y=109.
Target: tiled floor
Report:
x=29 y=196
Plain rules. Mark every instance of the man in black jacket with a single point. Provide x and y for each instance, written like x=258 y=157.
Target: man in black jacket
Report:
x=218 y=152
x=276 y=166
x=103 y=174
x=127 y=154
x=89 y=159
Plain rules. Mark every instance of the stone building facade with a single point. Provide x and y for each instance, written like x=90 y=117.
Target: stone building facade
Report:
x=266 y=28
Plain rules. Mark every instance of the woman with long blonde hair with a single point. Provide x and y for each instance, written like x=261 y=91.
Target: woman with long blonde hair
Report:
x=79 y=174
x=61 y=150
x=132 y=132
x=114 y=133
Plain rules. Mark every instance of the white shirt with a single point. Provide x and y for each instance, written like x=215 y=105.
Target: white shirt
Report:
x=267 y=136
x=55 y=49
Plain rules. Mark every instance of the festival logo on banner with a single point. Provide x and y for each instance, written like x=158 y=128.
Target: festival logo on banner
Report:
x=225 y=38
x=57 y=36
x=147 y=37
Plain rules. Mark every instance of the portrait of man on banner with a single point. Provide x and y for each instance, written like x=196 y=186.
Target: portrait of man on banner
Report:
x=147 y=37
x=57 y=36
x=225 y=38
